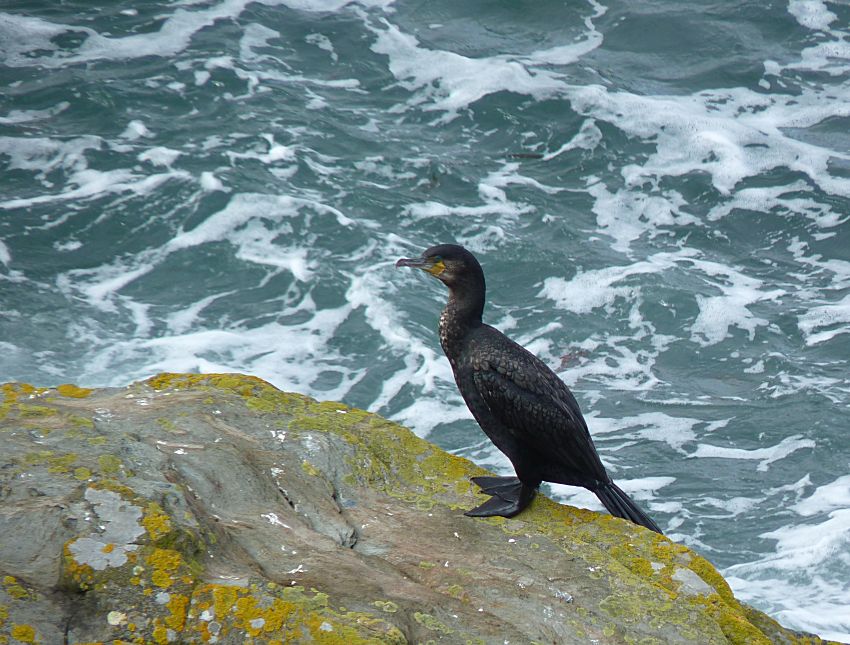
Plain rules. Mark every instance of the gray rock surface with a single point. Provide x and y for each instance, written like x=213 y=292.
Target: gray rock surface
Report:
x=217 y=509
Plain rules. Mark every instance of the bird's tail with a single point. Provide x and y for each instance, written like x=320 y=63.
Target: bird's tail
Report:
x=621 y=505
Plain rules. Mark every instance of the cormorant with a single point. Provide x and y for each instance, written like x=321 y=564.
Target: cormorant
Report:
x=525 y=409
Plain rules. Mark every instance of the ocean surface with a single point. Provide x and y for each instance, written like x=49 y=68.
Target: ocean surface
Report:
x=659 y=193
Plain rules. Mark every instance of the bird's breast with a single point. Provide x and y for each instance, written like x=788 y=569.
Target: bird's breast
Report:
x=451 y=336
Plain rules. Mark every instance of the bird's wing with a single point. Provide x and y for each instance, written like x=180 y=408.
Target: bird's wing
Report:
x=536 y=408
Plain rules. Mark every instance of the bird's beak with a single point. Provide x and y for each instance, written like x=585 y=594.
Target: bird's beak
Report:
x=434 y=266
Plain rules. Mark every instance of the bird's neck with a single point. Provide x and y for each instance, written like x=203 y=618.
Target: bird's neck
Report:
x=462 y=314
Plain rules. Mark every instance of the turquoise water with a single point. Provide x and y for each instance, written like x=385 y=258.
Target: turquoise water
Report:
x=659 y=193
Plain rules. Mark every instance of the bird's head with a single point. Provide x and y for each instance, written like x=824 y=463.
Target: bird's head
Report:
x=451 y=264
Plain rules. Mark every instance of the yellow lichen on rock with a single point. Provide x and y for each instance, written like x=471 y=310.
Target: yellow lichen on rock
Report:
x=737 y=629
x=273 y=613
x=310 y=469
x=156 y=521
x=165 y=563
x=178 y=607
x=109 y=465
x=73 y=391
x=75 y=575
x=24 y=633
x=61 y=463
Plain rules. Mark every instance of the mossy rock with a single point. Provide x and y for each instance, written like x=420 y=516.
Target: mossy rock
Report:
x=216 y=508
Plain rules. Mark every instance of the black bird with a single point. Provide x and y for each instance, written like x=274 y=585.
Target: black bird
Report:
x=525 y=409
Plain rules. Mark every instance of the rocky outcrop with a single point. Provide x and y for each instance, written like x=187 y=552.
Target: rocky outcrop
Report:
x=218 y=509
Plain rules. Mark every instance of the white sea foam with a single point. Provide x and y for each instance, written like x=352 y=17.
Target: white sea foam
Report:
x=324 y=43
x=734 y=506
x=26 y=116
x=209 y=182
x=250 y=222
x=254 y=37
x=492 y=194
x=183 y=320
x=825 y=322
x=273 y=152
x=93 y=183
x=650 y=426
x=43 y=155
x=495 y=182
x=253 y=223
x=812 y=14
x=217 y=226
x=422 y=365
x=825 y=499
x=831 y=54
x=731 y=134
x=23 y=35
x=829 y=57
x=135 y=130
x=589 y=290
x=448 y=82
x=568 y=54
x=616 y=363
x=718 y=313
x=5 y=255
x=627 y=214
x=765 y=456
x=838 y=269
x=292 y=356
x=99 y=286
x=424 y=415
x=173 y=37
x=377 y=166
x=784 y=384
x=160 y=156
x=799 y=581
x=781 y=199
x=587 y=138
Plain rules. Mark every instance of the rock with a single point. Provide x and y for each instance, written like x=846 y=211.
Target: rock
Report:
x=215 y=508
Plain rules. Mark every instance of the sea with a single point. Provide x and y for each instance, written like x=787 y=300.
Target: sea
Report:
x=658 y=191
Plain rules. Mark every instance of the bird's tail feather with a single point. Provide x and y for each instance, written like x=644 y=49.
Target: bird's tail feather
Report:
x=621 y=505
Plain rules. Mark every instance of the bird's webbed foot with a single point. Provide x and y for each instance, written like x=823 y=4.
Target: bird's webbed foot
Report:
x=496 y=485
x=509 y=496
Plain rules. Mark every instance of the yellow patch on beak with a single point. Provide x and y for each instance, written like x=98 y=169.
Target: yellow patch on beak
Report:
x=437 y=268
